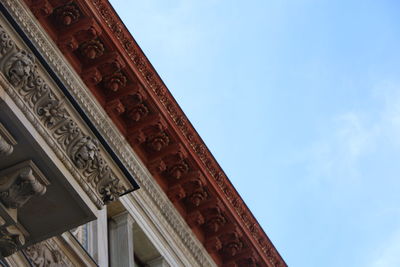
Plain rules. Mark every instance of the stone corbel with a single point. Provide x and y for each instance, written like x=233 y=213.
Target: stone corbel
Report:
x=12 y=238
x=7 y=142
x=18 y=184
x=21 y=182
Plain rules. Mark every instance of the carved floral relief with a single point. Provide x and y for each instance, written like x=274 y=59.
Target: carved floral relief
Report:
x=19 y=68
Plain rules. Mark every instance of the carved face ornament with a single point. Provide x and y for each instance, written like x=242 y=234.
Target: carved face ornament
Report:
x=19 y=67
x=87 y=152
x=84 y=151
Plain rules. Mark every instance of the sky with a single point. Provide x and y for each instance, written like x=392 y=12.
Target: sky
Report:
x=299 y=102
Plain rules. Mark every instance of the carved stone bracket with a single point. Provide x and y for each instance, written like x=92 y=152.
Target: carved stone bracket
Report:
x=11 y=239
x=18 y=184
x=21 y=182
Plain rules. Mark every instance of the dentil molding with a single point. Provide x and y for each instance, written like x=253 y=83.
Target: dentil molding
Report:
x=150 y=195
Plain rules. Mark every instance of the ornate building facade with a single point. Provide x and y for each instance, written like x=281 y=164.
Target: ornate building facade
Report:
x=98 y=164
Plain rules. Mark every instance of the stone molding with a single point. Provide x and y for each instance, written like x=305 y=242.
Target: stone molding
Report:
x=106 y=56
x=173 y=240
x=49 y=115
x=152 y=81
x=151 y=195
x=159 y=262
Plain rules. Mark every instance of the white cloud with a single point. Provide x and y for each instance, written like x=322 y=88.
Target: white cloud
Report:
x=338 y=154
x=389 y=255
x=391 y=112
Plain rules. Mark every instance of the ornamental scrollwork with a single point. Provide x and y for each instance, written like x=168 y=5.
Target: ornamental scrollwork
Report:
x=6 y=44
x=47 y=254
x=66 y=133
x=20 y=69
x=165 y=212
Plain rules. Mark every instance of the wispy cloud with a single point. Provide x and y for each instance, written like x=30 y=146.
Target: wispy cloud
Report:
x=388 y=256
x=355 y=134
x=338 y=153
x=391 y=112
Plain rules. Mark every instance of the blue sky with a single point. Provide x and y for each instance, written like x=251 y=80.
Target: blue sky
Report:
x=299 y=101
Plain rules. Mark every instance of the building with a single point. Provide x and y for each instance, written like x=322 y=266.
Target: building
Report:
x=98 y=164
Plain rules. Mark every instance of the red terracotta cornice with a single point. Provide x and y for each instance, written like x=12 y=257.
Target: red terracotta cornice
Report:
x=100 y=48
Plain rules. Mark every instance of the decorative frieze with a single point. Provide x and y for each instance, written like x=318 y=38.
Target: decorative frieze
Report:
x=47 y=253
x=187 y=247
x=19 y=67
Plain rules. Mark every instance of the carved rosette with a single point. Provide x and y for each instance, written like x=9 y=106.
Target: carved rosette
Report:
x=115 y=82
x=19 y=67
x=92 y=49
x=158 y=141
x=52 y=112
x=67 y=15
x=178 y=170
